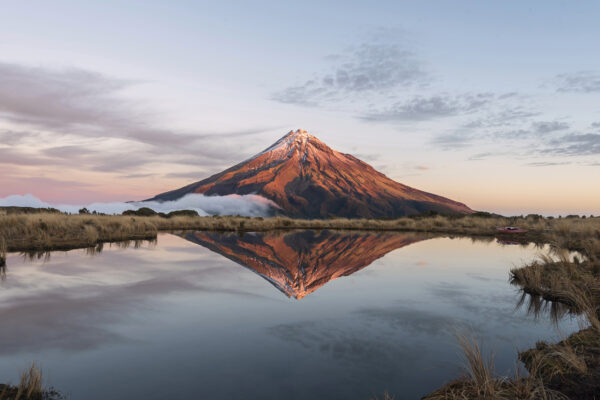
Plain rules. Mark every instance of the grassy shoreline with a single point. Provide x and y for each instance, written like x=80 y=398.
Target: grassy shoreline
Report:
x=564 y=284
x=554 y=369
x=51 y=231
x=30 y=387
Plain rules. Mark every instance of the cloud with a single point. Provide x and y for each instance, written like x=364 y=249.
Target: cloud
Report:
x=9 y=155
x=508 y=116
x=542 y=127
x=425 y=108
x=55 y=98
x=481 y=156
x=582 y=82
x=513 y=134
x=77 y=101
x=451 y=141
x=23 y=201
x=187 y=175
x=12 y=137
x=136 y=176
x=546 y=163
x=247 y=205
x=366 y=156
x=371 y=67
x=89 y=107
x=78 y=157
x=576 y=144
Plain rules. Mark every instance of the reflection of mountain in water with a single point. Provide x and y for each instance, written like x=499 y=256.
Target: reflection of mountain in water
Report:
x=300 y=262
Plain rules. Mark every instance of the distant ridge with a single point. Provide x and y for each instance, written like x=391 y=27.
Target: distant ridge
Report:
x=308 y=179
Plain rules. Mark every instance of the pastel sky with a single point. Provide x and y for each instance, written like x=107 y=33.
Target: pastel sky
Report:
x=495 y=104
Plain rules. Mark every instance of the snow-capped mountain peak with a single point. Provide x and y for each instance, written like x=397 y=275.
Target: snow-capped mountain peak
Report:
x=306 y=178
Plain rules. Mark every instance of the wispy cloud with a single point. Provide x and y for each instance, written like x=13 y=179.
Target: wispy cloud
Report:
x=13 y=137
x=481 y=156
x=136 y=176
x=547 y=163
x=381 y=65
x=508 y=115
x=94 y=127
x=424 y=108
x=536 y=129
x=249 y=205
x=542 y=127
x=78 y=101
x=452 y=141
x=576 y=144
x=581 y=81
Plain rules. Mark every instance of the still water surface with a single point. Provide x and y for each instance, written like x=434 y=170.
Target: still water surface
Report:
x=301 y=315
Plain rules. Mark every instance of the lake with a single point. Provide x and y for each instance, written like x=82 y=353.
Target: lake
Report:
x=295 y=315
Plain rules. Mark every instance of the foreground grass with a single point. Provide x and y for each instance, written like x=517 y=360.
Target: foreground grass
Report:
x=44 y=231
x=572 y=365
x=30 y=387
x=568 y=369
x=480 y=381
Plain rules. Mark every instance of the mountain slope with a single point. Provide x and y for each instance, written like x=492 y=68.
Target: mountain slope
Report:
x=298 y=263
x=308 y=179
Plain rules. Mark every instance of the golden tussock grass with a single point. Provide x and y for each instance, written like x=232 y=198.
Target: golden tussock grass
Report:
x=481 y=382
x=572 y=365
x=556 y=277
x=568 y=283
x=59 y=231
x=30 y=387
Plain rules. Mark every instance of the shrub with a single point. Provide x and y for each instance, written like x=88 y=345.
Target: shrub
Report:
x=141 y=212
x=183 y=213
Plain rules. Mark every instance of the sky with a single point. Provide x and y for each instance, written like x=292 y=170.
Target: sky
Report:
x=494 y=104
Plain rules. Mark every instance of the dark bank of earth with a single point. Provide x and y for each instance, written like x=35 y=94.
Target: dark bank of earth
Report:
x=9 y=392
x=577 y=383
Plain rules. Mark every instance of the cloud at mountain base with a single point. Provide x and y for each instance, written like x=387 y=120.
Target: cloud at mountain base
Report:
x=247 y=205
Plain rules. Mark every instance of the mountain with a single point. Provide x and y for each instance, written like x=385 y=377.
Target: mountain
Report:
x=308 y=179
x=298 y=263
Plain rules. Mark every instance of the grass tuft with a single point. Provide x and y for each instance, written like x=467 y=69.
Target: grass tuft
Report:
x=30 y=387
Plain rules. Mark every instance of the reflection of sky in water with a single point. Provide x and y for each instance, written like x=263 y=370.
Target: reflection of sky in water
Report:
x=176 y=320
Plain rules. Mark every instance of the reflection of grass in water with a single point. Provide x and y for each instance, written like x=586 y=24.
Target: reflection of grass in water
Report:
x=539 y=307
x=30 y=387
x=60 y=231
x=573 y=364
x=121 y=244
x=571 y=281
x=2 y=251
x=45 y=255
x=559 y=283
x=33 y=255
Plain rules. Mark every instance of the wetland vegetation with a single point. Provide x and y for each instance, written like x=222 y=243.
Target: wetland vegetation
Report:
x=51 y=231
x=561 y=284
x=564 y=283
